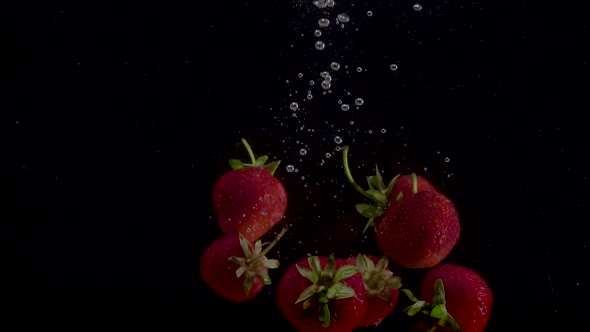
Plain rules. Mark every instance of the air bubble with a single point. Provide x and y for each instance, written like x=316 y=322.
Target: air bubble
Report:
x=417 y=7
x=294 y=106
x=447 y=159
x=328 y=155
x=311 y=82
x=290 y=168
x=300 y=75
x=317 y=33
x=323 y=22
x=383 y=130
x=345 y=107
x=324 y=74
x=359 y=69
x=309 y=96
x=393 y=67
x=330 y=3
x=338 y=148
x=303 y=152
x=344 y=18
x=370 y=131
x=369 y=13
x=359 y=101
x=319 y=45
x=326 y=85
x=338 y=140
x=335 y=65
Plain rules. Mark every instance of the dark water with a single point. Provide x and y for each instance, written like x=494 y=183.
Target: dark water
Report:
x=127 y=112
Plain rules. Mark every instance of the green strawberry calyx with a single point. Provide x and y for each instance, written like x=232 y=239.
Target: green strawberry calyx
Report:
x=255 y=162
x=326 y=285
x=254 y=263
x=377 y=279
x=437 y=310
x=378 y=192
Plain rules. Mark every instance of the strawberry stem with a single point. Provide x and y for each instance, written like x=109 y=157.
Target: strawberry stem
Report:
x=250 y=152
x=269 y=246
x=349 y=174
x=414 y=183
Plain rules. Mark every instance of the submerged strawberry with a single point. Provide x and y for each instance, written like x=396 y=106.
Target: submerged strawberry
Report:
x=322 y=294
x=381 y=285
x=236 y=269
x=249 y=199
x=461 y=300
x=417 y=230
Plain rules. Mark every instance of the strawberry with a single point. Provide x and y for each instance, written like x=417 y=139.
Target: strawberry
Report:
x=400 y=186
x=381 y=285
x=417 y=230
x=461 y=299
x=332 y=298
x=236 y=269
x=249 y=199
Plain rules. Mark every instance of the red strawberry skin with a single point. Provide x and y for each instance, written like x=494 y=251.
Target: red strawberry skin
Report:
x=405 y=184
x=250 y=201
x=419 y=231
x=468 y=297
x=377 y=308
x=350 y=312
x=220 y=274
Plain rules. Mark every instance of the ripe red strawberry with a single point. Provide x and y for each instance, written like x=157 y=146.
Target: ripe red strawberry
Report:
x=322 y=294
x=461 y=300
x=249 y=199
x=381 y=285
x=235 y=269
x=417 y=231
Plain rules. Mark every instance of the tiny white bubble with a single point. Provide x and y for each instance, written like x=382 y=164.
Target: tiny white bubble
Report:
x=338 y=148
x=345 y=107
x=383 y=130
x=417 y=7
x=317 y=33
x=369 y=13
x=243 y=215
x=300 y=75
x=338 y=140
x=319 y=45
x=328 y=155
x=344 y=18
x=323 y=22
x=359 y=69
x=359 y=101
x=370 y=131
x=447 y=159
x=311 y=82
x=303 y=152
x=294 y=106
x=335 y=65
x=326 y=85
x=290 y=168
x=393 y=67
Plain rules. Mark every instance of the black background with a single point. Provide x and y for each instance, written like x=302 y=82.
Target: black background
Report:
x=125 y=113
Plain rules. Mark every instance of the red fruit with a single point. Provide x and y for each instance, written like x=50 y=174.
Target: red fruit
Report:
x=249 y=199
x=468 y=298
x=322 y=294
x=417 y=230
x=235 y=269
x=381 y=285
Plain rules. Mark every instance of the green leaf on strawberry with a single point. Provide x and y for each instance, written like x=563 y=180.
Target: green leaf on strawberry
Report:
x=255 y=162
x=254 y=263
x=326 y=285
x=436 y=310
x=378 y=192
